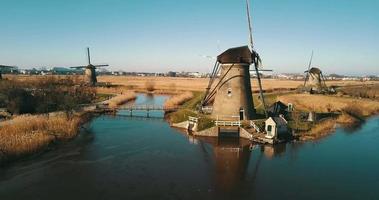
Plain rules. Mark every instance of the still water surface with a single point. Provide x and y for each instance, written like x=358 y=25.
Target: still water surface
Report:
x=137 y=158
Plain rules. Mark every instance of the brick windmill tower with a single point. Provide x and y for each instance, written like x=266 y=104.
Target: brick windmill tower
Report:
x=231 y=92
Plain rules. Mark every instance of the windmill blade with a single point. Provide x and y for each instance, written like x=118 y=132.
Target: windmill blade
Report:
x=78 y=67
x=323 y=80
x=250 y=26
x=309 y=67
x=208 y=57
x=105 y=65
x=261 y=90
x=88 y=56
x=263 y=70
x=255 y=56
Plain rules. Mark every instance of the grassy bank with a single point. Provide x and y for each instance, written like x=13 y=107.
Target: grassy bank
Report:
x=121 y=99
x=28 y=134
x=324 y=103
x=350 y=116
x=178 y=99
x=188 y=109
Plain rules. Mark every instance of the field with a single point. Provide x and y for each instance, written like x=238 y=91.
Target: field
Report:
x=323 y=103
x=187 y=84
x=199 y=84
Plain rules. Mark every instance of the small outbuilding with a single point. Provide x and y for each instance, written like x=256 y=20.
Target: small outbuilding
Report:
x=277 y=109
x=275 y=127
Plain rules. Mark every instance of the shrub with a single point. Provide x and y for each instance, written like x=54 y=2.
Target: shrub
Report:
x=150 y=86
x=45 y=95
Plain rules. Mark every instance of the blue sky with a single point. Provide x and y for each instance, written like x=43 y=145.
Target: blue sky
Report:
x=152 y=35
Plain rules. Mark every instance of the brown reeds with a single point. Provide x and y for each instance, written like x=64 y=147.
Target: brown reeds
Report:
x=177 y=100
x=320 y=130
x=121 y=99
x=27 y=134
x=323 y=103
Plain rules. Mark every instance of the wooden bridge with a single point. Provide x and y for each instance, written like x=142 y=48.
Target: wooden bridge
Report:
x=148 y=108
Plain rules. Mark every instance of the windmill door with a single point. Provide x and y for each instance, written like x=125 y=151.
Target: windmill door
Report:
x=242 y=113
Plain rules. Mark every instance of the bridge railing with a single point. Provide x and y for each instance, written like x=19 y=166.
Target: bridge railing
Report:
x=227 y=123
x=148 y=107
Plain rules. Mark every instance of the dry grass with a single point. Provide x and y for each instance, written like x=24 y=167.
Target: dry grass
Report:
x=199 y=84
x=178 y=100
x=27 y=134
x=187 y=84
x=347 y=119
x=367 y=91
x=121 y=99
x=320 y=130
x=323 y=103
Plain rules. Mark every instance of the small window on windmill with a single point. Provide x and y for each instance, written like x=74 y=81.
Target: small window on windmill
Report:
x=229 y=92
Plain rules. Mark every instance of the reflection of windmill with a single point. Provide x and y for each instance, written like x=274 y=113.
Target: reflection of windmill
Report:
x=90 y=70
x=5 y=67
x=314 y=78
x=232 y=93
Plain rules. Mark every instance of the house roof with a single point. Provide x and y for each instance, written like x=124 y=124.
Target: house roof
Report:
x=277 y=108
x=279 y=121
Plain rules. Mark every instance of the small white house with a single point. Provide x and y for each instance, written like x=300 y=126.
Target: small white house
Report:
x=275 y=126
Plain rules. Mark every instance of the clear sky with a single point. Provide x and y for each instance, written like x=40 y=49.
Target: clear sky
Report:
x=164 y=35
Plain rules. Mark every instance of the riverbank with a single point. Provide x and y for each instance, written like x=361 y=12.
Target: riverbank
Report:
x=27 y=134
x=350 y=117
x=121 y=99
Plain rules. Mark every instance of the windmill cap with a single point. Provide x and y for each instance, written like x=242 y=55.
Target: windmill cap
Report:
x=314 y=70
x=236 y=55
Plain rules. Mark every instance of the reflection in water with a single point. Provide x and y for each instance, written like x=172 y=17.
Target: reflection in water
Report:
x=135 y=158
x=231 y=161
x=231 y=158
x=272 y=151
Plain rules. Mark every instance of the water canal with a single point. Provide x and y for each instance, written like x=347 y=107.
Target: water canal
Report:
x=138 y=158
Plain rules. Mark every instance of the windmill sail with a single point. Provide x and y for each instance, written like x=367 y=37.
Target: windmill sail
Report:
x=255 y=57
x=250 y=26
x=309 y=67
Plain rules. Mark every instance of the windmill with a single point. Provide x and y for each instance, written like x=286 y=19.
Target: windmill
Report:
x=5 y=67
x=314 y=79
x=90 y=70
x=232 y=93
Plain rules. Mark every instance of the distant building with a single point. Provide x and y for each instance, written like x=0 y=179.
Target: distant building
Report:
x=171 y=74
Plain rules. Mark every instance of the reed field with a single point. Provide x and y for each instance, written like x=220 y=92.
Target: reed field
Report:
x=121 y=99
x=27 y=134
x=366 y=91
x=199 y=84
x=178 y=100
x=184 y=84
x=324 y=103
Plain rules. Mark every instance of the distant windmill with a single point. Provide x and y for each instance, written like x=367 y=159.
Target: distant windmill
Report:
x=232 y=93
x=90 y=70
x=314 y=79
x=5 y=67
